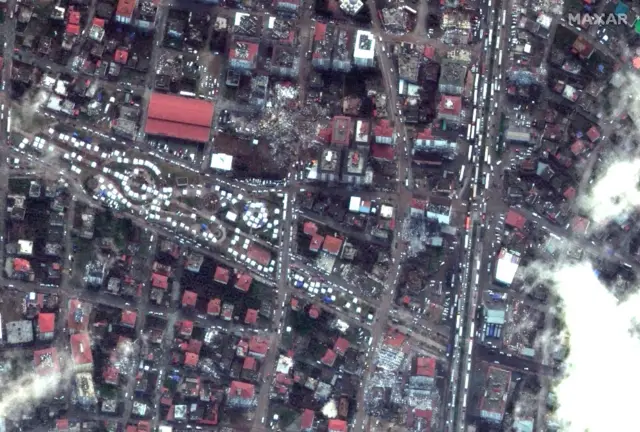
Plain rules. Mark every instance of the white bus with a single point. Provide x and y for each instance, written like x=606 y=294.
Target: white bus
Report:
x=484 y=91
x=477 y=79
x=461 y=174
x=469 y=153
x=473 y=132
x=468 y=132
x=475 y=114
x=504 y=17
x=500 y=58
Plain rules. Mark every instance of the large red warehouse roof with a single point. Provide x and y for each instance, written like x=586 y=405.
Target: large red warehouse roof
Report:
x=179 y=117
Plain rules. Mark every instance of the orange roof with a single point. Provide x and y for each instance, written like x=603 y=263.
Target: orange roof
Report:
x=243 y=282
x=129 y=318
x=179 y=117
x=394 y=338
x=125 y=8
x=515 y=220
x=81 y=348
x=306 y=419
x=336 y=425
x=74 y=17
x=332 y=245
x=21 y=265
x=191 y=359
x=341 y=346
x=329 y=357
x=426 y=366
x=46 y=322
x=251 y=316
x=189 y=298
x=213 y=307
x=259 y=254
x=159 y=281
x=121 y=56
x=242 y=390
x=221 y=275
x=186 y=327
x=310 y=228
x=73 y=29
x=258 y=345
x=316 y=242
x=249 y=363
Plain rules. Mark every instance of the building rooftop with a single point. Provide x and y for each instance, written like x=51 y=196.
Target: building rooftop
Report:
x=494 y=399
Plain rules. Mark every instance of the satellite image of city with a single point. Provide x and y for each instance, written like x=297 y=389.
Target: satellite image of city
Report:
x=319 y=215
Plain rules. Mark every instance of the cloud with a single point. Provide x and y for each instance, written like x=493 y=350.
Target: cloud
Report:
x=602 y=374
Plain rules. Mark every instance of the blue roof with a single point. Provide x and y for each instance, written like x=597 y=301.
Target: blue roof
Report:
x=621 y=9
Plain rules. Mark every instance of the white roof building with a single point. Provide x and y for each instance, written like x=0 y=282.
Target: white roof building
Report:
x=364 y=51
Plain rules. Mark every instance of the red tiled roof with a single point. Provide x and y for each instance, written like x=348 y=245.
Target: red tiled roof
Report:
x=426 y=366
x=243 y=281
x=309 y=228
x=382 y=151
x=329 y=357
x=577 y=147
x=81 y=349
x=110 y=375
x=62 y=424
x=593 y=133
x=186 y=327
x=179 y=117
x=46 y=322
x=394 y=338
x=429 y=52
x=321 y=29
x=252 y=51
x=451 y=105
x=336 y=425
x=383 y=129
x=242 y=390
x=221 y=275
x=251 y=316
x=418 y=204
x=159 y=281
x=121 y=56
x=316 y=242
x=74 y=17
x=332 y=245
x=341 y=346
x=98 y=22
x=189 y=298
x=249 y=363
x=73 y=29
x=306 y=419
x=515 y=220
x=258 y=345
x=570 y=193
x=259 y=254
x=213 y=307
x=46 y=361
x=129 y=318
x=191 y=359
x=125 y=8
